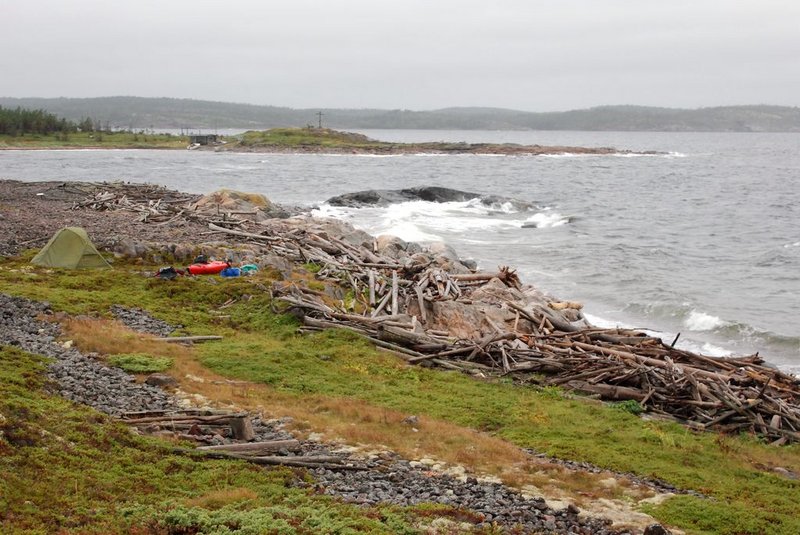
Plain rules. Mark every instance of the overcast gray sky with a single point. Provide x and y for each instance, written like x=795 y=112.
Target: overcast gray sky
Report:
x=410 y=54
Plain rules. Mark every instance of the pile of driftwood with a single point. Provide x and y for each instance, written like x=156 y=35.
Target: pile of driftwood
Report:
x=263 y=453
x=153 y=204
x=198 y=425
x=726 y=394
x=192 y=424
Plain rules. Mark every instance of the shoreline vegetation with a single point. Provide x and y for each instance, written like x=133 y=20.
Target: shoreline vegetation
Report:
x=325 y=140
x=328 y=380
x=283 y=140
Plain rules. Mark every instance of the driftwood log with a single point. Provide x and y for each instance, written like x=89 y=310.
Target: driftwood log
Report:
x=329 y=462
x=256 y=448
x=185 y=424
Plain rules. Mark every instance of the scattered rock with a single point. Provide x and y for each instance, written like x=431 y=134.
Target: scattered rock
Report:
x=656 y=529
x=412 y=420
x=784 y=472
x=401 y=482
x=162 y=380
x=376 y=197
x=77 y=377
x=139 y=320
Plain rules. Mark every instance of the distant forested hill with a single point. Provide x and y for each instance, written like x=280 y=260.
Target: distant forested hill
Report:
x=143 y=113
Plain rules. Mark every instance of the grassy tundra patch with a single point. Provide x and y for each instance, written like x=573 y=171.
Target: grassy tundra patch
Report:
x=69 y=469
x=100 y=140
x=309 y=137
x=140 y=362
x=334 y=379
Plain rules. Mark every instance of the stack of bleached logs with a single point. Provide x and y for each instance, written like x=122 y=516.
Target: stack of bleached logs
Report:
x=726 y=394
x=153 y=204
x=191 y=424
x=199 y=425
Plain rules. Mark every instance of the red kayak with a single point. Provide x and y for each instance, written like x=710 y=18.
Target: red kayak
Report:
x=210 y=268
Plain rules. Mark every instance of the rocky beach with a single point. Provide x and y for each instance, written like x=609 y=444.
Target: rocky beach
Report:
x=112 y=215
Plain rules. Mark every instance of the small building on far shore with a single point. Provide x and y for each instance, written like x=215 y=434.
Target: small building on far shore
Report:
x=202 y=139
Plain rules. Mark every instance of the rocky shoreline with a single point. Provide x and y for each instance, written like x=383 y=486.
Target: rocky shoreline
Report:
x=487 y=149
x=430 y=148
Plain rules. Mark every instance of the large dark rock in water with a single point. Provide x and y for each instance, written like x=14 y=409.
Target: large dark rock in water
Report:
x=385 y=197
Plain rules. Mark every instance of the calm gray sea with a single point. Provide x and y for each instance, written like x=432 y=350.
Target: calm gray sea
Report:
x=703 y=240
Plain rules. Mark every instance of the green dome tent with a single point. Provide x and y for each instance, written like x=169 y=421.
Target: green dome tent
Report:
x=70 y=247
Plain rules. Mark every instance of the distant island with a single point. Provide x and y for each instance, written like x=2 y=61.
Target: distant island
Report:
x=62 y=134
x=328 y=141
x=138 y=113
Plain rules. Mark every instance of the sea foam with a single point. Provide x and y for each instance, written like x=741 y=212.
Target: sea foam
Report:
x=700 y=321
x=546 y=219
x=446 y=217
x=687 y=344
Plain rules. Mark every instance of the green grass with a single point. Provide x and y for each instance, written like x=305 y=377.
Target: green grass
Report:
x=334 y=140
x=69 y=469
x=309 y=137
x=139 y=362
x=746 y=497
x=114 y=140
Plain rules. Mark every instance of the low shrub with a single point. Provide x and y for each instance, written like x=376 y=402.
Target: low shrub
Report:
x=140 y=362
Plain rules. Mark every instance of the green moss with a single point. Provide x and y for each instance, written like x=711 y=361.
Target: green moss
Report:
x=726 y=517
x=312 y=267
x=291 y=517
x=630 y=405
x=140 y=362
x=308 y=137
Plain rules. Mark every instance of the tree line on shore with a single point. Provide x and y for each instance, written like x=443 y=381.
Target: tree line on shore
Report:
x=19 y=121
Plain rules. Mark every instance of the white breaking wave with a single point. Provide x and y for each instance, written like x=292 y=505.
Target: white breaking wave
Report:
x=546 y=220
x=408 y=231
x=604 y=323
x=333 y=212
x=715 y=351
x=788 y=245
x=667 y=155
x=474 y=206
x=422 y=220
x=790 y=368
x=447 y=217
x=565 y=155
x=702 y=348
x=700 y=321
x=505 y=208
x=377 y=221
